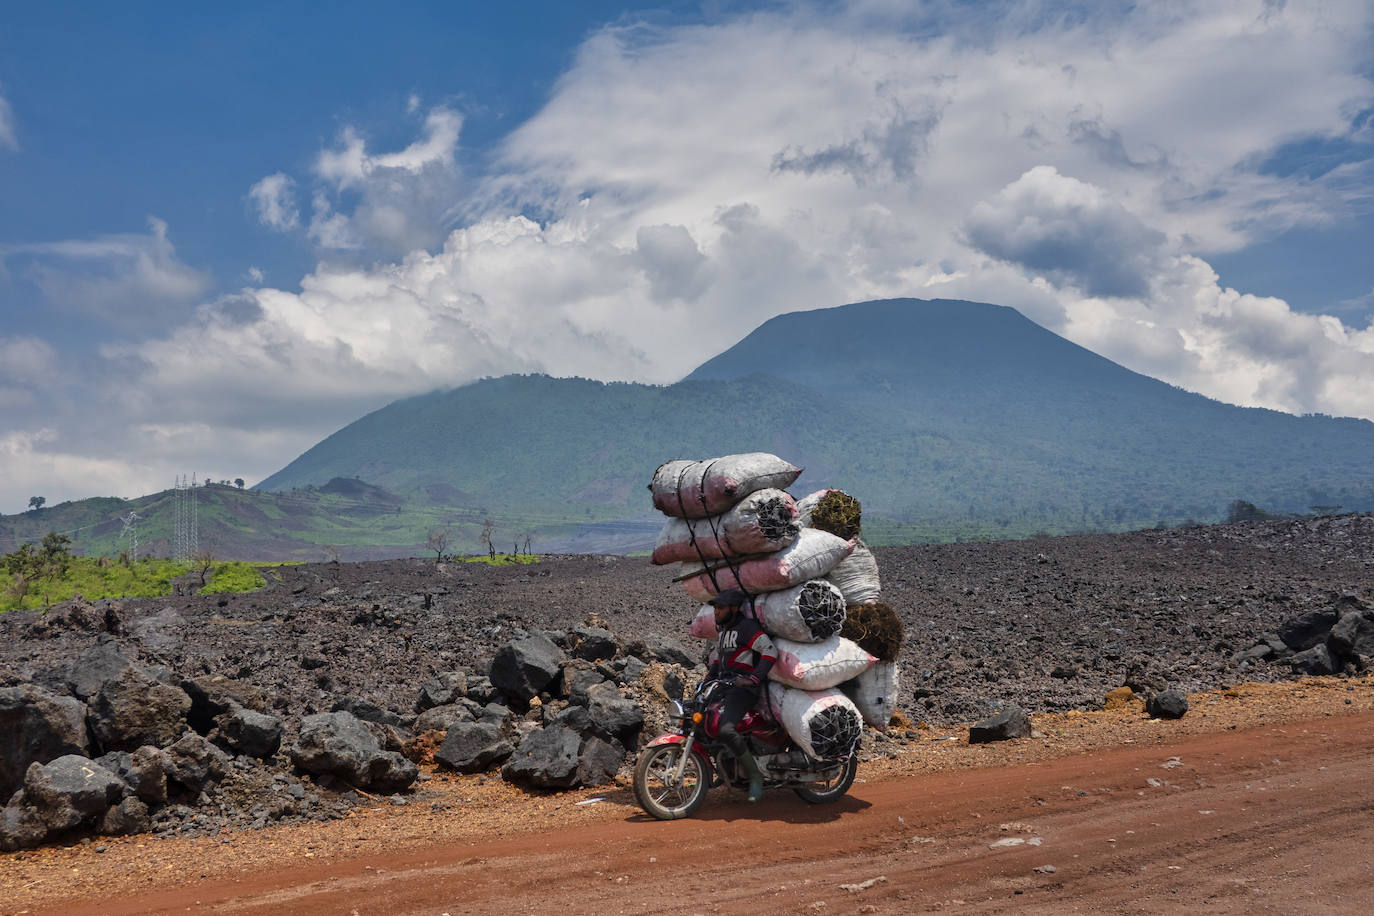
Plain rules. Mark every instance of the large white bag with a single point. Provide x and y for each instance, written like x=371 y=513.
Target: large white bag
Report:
x=703 y=625
x=874 y=693
x=856 y=576
x=809 y=612
x=816 y=666
x=823 y=723
x=696 y=489
x=765 y=521
x=810 y=556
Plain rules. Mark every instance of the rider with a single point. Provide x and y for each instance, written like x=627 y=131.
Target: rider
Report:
x=744 y=655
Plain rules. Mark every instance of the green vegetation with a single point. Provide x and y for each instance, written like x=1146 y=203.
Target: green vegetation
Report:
x=39 y=578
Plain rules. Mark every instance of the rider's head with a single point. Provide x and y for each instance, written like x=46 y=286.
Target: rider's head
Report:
x=727 y=604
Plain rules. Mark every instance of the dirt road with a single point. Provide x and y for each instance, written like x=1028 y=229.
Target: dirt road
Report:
x=1275 y=818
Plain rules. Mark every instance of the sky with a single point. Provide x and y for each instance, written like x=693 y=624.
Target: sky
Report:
x=227 y=232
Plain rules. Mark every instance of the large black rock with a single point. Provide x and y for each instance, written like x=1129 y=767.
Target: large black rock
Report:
x=471 y=747
x=193 y=763
x=132 y=710
x=245 y=731
x=70 y=790
x=442 y=690
x=214 y=695
x=593 y=644
x=1315 y=661
x=598 y=761
x=614 y=715
x=546 y=759
x=1169 y=704
x=340 y=744
x=1307 y=630
x=1009 y=723
x=524 y=667
x=36 y=726
x=1352 y=635
x=100 y=663
x=442 y=718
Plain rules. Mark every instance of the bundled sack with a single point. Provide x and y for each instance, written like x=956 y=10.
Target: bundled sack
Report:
x=874 y=693
x=856 y=576
x=816 y=666
x=876 y=628
x=765 y=521
x=809 y=612
x=823 y=723
x=834 y=511
x=696 y=489
x=810 y=556
x=704 y=623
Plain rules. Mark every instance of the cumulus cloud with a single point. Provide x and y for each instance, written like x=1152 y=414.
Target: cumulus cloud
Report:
x=127 y=281
x=1067 y=230
x=274 y=200
x=9 y=138
x=26 y=364
x=683 y=185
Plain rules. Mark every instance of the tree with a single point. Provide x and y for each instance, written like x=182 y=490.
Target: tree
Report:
x=238 y=482
x=36 y=502
x=438 y=540
x=54 y=556
x=488 y=529
x=204 y=561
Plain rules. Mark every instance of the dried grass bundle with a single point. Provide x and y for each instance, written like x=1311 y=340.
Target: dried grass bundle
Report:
x=838 y=513
x=876 y=628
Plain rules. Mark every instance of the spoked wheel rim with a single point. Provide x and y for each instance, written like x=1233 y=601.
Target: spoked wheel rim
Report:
x=659 y=793
x=836 y=786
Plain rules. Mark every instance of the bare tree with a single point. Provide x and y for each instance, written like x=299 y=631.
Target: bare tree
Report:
x=204 y=561
x=438 y=540
x=488 y=529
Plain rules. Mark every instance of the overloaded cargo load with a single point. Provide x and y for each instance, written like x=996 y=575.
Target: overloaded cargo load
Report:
x=876 y=628
x=816 y=666
x=823 y=723
x=812 y=555
x=765 y=521
x=856 y=576
x=810 y=612
x=697 y=489
x=831 y=510
x=874 y=693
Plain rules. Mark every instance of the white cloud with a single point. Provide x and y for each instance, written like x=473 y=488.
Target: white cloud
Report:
x=681 y=186
x=274 y=199
x=9 y=137
x=126 y=281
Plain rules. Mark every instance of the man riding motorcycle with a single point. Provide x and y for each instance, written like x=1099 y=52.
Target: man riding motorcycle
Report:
x=744 y=655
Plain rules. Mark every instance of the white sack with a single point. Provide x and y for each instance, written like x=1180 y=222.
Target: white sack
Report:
x=874 y=693
x=816 y=666
x=704 y=623
x=809 y=612
x=856 y=576
x=823 y=723
x=806 y=505
x=812 y=555
x=765 y=521
x=696 y=489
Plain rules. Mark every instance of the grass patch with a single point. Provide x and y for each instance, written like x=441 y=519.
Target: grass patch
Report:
x=94 y=578
x=233 y=577
x=501 y=559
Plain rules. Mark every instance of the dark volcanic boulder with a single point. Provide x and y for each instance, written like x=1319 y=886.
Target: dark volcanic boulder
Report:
x=471 y=747
x=144 y=772
x=442 y=718
x=598 y=761
x=442 y=690
x=593 y=644
x=613 y=714
x=524 y=667
x=244 y=731
x=1169 y=704
x=129 y=816
x=214 y=695
x=36 y=726
x=100 y=663
x=1009 y=723
x=369 y=711
x=132 y=710
x=193 y=763
x=671 y=651
x=340 y=744
x=1315 y=661
x=70 y=790
x=1307 y=630
x=20 y=828
x=546 y=759
x=579 y=680
x=1352 y=635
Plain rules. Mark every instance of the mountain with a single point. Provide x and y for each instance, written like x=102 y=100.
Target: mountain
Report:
x=946 y=418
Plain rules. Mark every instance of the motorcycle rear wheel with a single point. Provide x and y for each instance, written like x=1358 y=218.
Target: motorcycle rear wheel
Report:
x=820 y=793
x=653 y=783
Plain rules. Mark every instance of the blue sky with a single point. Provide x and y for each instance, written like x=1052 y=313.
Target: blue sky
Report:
x=224 y=233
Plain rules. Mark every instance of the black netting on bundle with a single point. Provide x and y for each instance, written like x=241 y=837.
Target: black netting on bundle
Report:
x=834 y=731
x=778 y=519
x=822 y=609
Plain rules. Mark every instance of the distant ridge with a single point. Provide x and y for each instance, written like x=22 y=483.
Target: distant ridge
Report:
x=946 y=418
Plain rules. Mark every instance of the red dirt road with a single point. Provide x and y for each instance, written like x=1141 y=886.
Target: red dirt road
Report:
x=1276 y=819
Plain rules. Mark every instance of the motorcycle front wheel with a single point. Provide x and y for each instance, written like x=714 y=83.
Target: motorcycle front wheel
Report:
x=654 y=785
x=818 y=793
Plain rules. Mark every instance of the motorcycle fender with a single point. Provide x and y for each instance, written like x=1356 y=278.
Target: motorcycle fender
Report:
x=708 y=768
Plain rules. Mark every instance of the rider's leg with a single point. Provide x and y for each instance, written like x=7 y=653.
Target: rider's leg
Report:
x=737 y=702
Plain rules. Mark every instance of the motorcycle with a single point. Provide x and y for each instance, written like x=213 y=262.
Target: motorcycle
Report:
x=676 y=769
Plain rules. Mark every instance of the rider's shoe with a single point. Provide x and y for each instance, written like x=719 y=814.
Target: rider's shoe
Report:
x=751 y=769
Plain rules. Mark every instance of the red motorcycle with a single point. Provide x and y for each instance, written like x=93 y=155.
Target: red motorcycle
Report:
x=675 y=770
